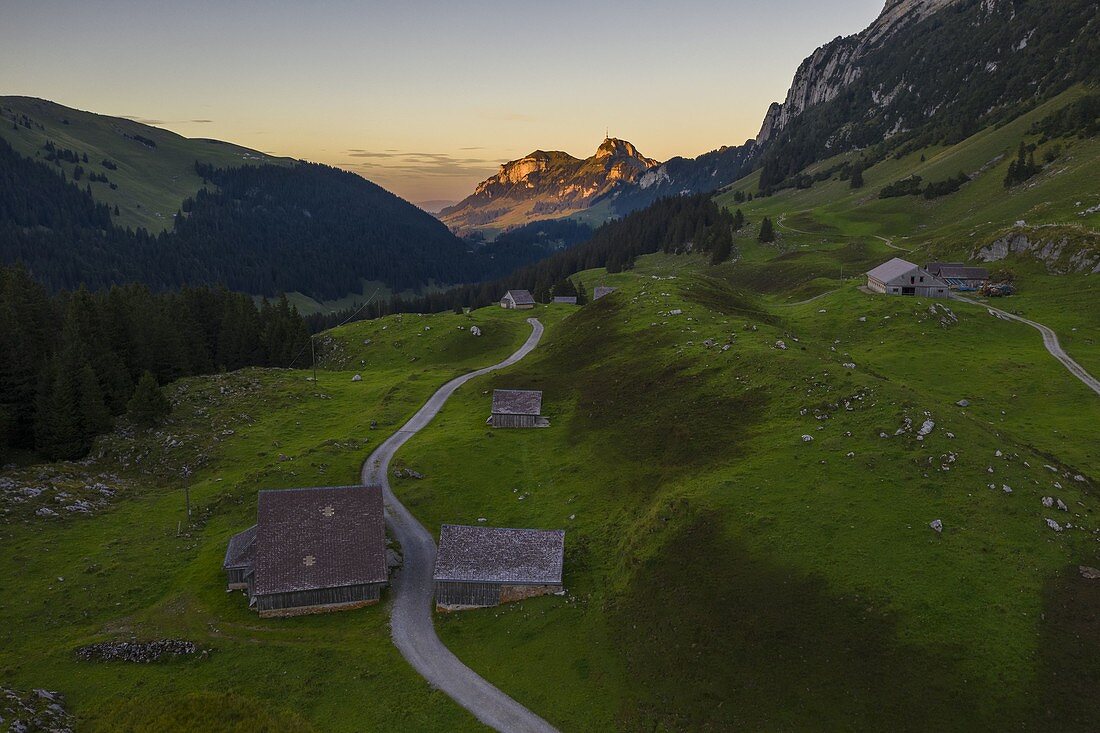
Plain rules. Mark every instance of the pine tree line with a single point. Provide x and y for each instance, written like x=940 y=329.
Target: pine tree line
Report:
x=72 y=360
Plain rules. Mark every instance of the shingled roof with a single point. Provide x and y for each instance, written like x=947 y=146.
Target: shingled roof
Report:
x=496 y=555
x=957 y=270
x=517 y=402
x=319 y=538
x=241 y=550
x=521 y=297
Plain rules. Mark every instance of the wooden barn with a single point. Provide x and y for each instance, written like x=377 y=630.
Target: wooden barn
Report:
x=315 y=550
x=486 y=566
x=899 y=277
x=959 y=275
x=239 y=557
x=518 y=300
x=601 y=290
x=517 y=408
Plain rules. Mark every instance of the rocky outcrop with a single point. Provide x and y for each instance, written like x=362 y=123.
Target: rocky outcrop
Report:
x=1062 y=249
x=836 y=64
x=137 y=652
x=547 y=184
x=38 y=710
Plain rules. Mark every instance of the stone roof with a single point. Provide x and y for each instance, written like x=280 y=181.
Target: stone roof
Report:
x=521 y=297
x=570 y=299
x=241 y=550
x=517 y=402
x=319 y=538
x=887 y=271
x=497 y=555
x=601 y=290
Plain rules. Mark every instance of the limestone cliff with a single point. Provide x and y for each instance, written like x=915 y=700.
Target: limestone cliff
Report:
x=547 y=184
x=836 y=64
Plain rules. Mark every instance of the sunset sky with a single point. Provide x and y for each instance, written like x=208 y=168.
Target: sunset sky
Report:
x=424 y=98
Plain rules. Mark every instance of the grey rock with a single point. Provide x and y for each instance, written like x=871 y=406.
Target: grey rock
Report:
x=963 y=403
x=937 y=525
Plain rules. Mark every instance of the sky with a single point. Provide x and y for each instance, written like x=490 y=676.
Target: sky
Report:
x=424 y=98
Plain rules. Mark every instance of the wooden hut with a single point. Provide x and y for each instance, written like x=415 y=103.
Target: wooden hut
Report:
x=517 y=408
x=486 y=566
x=238 y=558
x=518 y=300
x=601 y=290
x=314 y=550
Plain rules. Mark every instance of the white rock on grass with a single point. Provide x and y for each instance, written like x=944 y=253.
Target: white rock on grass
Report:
x=1006 y=488
x=937 y=525
x=1061 y=505
x=475 y=331
x=1053 y=525
x=357 y=378
x=1048 y=501
x=807 y=438
x=780 y=345
x=926 y=428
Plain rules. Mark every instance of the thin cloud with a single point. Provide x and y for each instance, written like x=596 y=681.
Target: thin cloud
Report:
x=418 y=164
x=152 y=121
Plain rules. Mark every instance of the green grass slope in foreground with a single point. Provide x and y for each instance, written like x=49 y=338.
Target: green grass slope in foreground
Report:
x=124 y=572
x=724 y=572
x=152 y=182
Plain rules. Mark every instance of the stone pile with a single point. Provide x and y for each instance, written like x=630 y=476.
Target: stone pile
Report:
x=133 y=651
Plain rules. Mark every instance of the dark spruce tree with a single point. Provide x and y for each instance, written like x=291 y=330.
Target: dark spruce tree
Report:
x=767 y=232
x=148 y=406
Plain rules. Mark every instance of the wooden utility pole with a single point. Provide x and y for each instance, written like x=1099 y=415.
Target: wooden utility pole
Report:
x=313 y=354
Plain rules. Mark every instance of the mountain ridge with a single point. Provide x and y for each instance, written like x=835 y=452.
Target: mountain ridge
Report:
x=547 y=184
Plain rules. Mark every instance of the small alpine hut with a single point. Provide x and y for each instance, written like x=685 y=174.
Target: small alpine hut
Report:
x=567 y=299
x=899 y=277
x=311 y=551
x=239 y=557
x=958 y=275
x=486 y=566
x=601 y=290
x=518 y=300
x=517 y=408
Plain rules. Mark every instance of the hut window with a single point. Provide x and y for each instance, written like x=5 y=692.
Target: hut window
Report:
x=309 y=561
x=328 y=511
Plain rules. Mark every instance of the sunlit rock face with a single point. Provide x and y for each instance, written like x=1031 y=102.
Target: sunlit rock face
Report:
x=547 y=184
x=830 y=68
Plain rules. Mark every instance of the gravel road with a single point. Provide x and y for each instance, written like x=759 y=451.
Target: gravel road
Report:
x=411 y=624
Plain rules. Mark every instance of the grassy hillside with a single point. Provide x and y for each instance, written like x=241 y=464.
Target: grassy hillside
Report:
x=132 y=570
x=152 y=182
x=725 y=573
x=722 y=571
x=952 y=225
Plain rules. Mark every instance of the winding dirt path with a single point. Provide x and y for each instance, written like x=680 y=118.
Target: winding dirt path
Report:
x=411 y=623
x=1050 y=341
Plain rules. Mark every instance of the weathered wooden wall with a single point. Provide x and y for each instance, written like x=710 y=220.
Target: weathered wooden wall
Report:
x=515 y=421
x=450 y=593
x=314 y=601
x=235 y=578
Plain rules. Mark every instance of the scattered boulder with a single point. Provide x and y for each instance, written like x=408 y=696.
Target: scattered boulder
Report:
x=963 y=403
x=357 y=378
x=1089 y=573
x=1048 y=501
x=37 y=710
x=780 y=345
x=676 y=312
x=848 y=365
x=133 y=651
x=475 y=331
x=407 y=473
x=807 y=438
x=937 y=525
x=1061 y=505
x=1053 y=525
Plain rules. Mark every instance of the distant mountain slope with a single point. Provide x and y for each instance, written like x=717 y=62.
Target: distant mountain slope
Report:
x=929 y=71
x=149 y=171
x=547 y=185
x=98 y=201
